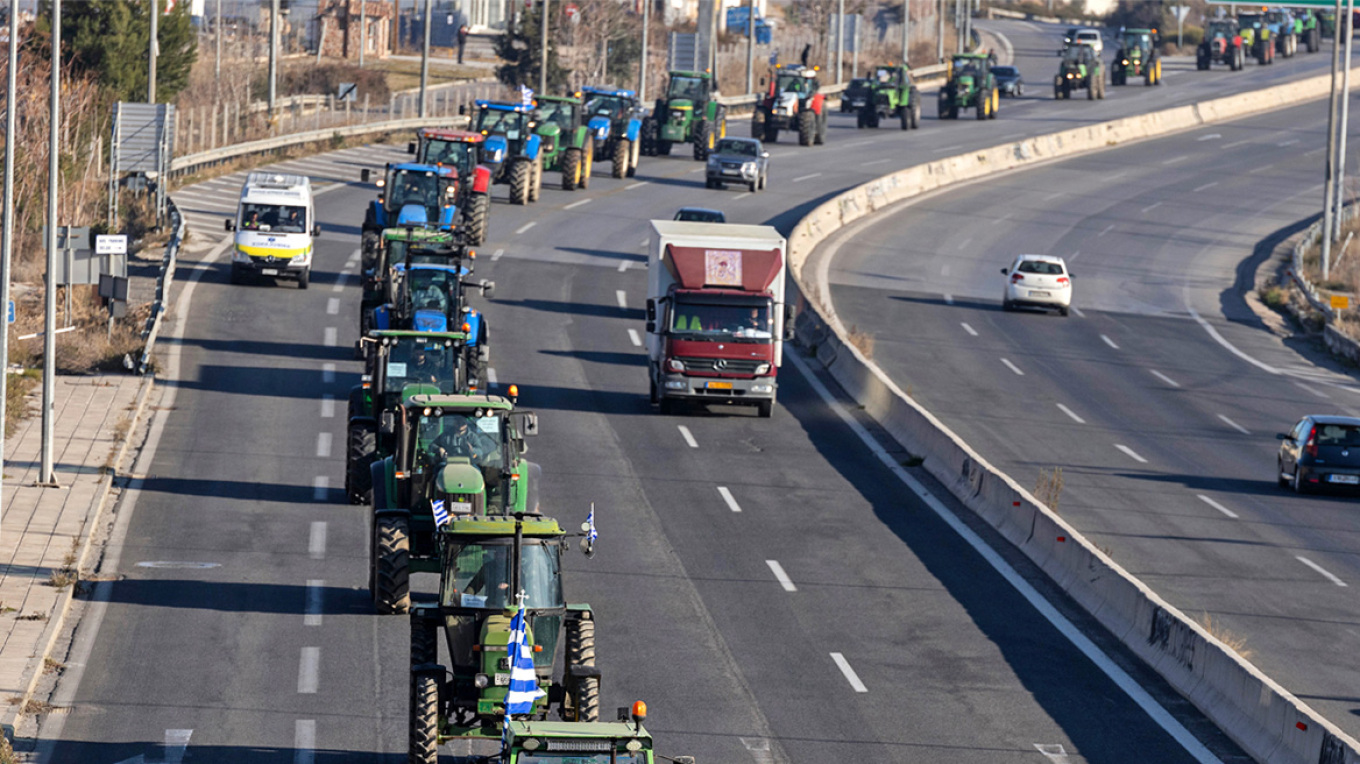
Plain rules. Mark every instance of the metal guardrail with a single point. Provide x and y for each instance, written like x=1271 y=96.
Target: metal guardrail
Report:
x=163 y=283
x=1312 y=236
x=311 y=99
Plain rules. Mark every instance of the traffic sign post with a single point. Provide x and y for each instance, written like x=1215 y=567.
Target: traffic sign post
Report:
x=1181 y=12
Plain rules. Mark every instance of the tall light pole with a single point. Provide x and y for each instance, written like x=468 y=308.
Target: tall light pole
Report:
x=840 y=38
x=543 y=49
x=153 y=51
x=1329 y=179
x=7 y=235
x=1345 y=121
x=273 y=55
x=906 y=30
x=425 y=58
x=751 y=46
x=939 y=38
x=642 y=61
x=46 y=475
x=217 y=62
x=363 y=30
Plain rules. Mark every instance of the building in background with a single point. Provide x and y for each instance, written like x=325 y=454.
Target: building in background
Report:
x=336 y=28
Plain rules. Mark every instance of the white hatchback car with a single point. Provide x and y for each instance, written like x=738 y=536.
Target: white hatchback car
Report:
x=1090 y=37
x=1040 y=281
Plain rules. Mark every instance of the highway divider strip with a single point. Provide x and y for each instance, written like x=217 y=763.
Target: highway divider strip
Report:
x=1265 y=719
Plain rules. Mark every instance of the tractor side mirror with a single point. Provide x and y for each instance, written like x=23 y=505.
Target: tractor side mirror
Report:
x=651 y=310
x=410 y=148
x=1004 y=271
x=462 y=110
x=228 y=225
x=364 y=175
x=788 y=313
x=530 y=426
x=488 y=288
x=388 y=423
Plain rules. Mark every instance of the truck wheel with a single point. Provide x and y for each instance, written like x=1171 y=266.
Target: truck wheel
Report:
x=1313 y=40
x=806 y=127
x=424 y=742
x=361 y=445
x=391 y=566
x=536 y=179
x=304 y=278
x=702 y=136
x=764 y=409
x=581 y=652
x=519 y=181
x=479 y=212
x=663 y=148
x=622 y=150
x=571 y=169
x=587 y=163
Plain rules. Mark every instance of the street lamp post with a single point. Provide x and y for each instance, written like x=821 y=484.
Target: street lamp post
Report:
x=7 y=235
x=153 y=51
x=273 y=55
x=543 y=50
x=46 y=474
x=425 y=58
x=642 y=60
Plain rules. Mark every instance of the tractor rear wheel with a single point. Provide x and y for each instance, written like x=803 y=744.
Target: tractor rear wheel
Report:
x=663 y=148
x=369 y=248
x=587 y=163
x=648 y=137
x=581 y=652
x=620 y=158
x=904 y=117
x=771 y=133
x=1313 y=40
x=982 y=104
x=703 y=136
x=634 y=153
x=391 y=566
x=520 y=173
x=424 y=742
x=361 y=445
x=915 y=112
x=424 y=641
x=758 y=124
x=571 y=169
x=806 y=127
x=479 y=212
x=536 y=179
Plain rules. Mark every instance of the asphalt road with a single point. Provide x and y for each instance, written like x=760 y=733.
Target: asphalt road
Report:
x=1160 y=397
x=736 y=667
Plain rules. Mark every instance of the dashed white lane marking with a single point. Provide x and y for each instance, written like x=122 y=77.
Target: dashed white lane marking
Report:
x=176 y=741
x=354 y=256
x=727 y=497
x=574 y=205
x=330 y=337
x=946 y=148
x=309 y=667
x=850 y=675
x=1002 y=219
x=697 y=169
x=623 y=266
x=1164 y=378
x=328 y=407
x=968 y=328
x=1012 y=367
x=1054 y=752
x=351 y=265
x=1151 y=207
x=1175 y=160
x=874 y=162
x=497 y=255
x=807 y=177
x=1109 y=341
x=1234 y=425
x=304 y=741
x=1209 y=137
x=1287 y=143
x=1217 y=506
x=1077 y=311
x=316 y=540
x=635 y=185
x=1072 y=414
x=1320 y=570
x=311 y=615
x=321 y=485
x=327 y=373
x=784 y=580
x=491 y=380
x=340 y=280
x=1051 y=197
x=323 y=445
x=1130 y=453
x=963 y=244
x=742 y=195
x=688 y=436
x=759 y=748
x=634 y=338
x=1311 y=389
x=526 y=226
x=332 y=305
x=1314 y=151
x=1205 y=187
x=1106 y=230
x=1234 y=143
x=622 y=298
x=948 y=299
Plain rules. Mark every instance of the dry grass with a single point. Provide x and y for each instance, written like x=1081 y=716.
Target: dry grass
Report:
x=60 y=579
x=1274 y=296
x=7 y=751
x=1049 y=487
x=52 y=666
x=863 y=341
x=17 y=387
x=1237 y=644
x=34 y=707
x=39 y=616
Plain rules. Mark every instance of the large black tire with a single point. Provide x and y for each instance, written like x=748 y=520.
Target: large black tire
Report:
x=859 y=120
x=581 y=652
x=369 y=242
x=587 y=163
x=915 y=110
x=304 y=278
x=520 y=177
x=904 y=115
x=1313 y=40
x=820 y=139
x=1202 y=59
x=622 y=150
x=765 y=409
x=424 y=641
x=807 y=127
x=571 y=169
x=536 y=179
x=771 y=133
x=361 y=446
x=633 y=157
x=663 y=148
x=391 y=565
x=424 y=742
x=479 y=218
x=647 y=137
x=983 y=104
x=1092 y=85
x=758 y=124
x=703 y=134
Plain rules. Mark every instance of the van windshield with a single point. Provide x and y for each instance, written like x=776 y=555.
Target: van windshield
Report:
x=273 y=218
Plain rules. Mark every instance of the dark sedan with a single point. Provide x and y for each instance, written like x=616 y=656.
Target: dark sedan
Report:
x=856 y=95
x=1320 y=452
x=1008 y=81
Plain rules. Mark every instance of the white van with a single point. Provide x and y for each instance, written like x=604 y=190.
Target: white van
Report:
x=1091 y=37
x=275 y=224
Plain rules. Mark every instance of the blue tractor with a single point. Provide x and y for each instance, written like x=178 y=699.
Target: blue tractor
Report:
x=410 y=195
x=511 y=149
x=616 y=124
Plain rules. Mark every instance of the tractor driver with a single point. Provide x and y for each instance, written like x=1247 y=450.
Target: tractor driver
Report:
x=423 y=368
x=461 y=439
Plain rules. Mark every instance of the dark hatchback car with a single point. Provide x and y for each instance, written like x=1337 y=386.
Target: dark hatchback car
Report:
x=1008 y=80
x=856 y=95
x=1320 y=452
x=700 y=215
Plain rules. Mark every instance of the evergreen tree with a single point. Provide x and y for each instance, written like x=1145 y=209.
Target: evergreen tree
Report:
x=519 y=47
x=110 y=39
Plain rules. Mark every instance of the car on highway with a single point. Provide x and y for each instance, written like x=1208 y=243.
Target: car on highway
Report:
x=738 y=160
x=855 y=96
x=1038 y=281
x=1320 y=452
x=1009 y=81
x=1090 y=37
x=700 y=215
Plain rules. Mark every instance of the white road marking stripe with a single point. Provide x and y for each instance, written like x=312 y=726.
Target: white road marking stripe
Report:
x=742 y=195
x=316 y=540
x=340 y=282
x=1164 y=378
x=354 y=256
x=1217 y=506
x=1051 y=197
x=949 y=299
x=574 y=205
x=947 y=148
x=784 y=580
x=850 y=675
x=497 y=255
x=309 y=666
x=1108 y=228
x=330 y=337
x=1287 y=143
x=963 y=244
x=175 y=743
x=635 y=185
x=1053 y=752
x=1175 y=160
x=1314 y=151
x=1205 y=187
x=304 y=741
x=332 y=305
x=349 y=266
x=1130 y=453
x=1072 y=414
x=327 y=373
x=1234 y=425
x=312 y=612
x=645 y=242
x=1012 y=367
x=1320 y=570
x=491 y=380
x=1209 y=137
x=1109 y=341
x=328 y=407
x=727 y=497
x=634 y=338
x=1311 y=389
x=688 y=436
x=622 y=298
x=1151 y=207
x=874 y=162
x=1077 y=310
x=1234 y=143
x=526 y=226
x=321 y=485
x=807 y=177
x=623 y=266
x=697 y=169
x=968 y=328
x=323 y=445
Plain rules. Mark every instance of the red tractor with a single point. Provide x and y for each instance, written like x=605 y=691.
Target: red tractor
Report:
x=1222 y=44
x=461 y=149
x=794 y=101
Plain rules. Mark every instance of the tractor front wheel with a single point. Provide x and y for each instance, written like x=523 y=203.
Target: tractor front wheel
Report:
x=904 y=117
x=663 y=148
x=703 y=136
x=536 y=179
x=648 y=137
x=581 y=652
x=361 y=444
x=479 y=212
x=758 y=125
x=424 y=743
x=587 y=163
x=621 y=153
x=571 y=169
x=821 y=129
x=983 y=103
x=915 y=110
x=520 y=178
x=424 y=641
x=807 y=127
x=634 y=153
x=391 y=566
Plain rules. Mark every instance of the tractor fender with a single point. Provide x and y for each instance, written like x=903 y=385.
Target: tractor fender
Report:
x=392 y=512
x=363 y=420
x=633 y=130
x=447 y=215
x=579 y=137
x=474 y=321
x=531 y=147
x=494 y=148
x=533 y=473
x=599 y=127
x=579 y=610
x=384 y=484
x=429 y=668
x=382 y=317
x=481 y=179
x=379 y=214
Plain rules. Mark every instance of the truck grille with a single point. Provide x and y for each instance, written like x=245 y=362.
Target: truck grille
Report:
x=730 y=365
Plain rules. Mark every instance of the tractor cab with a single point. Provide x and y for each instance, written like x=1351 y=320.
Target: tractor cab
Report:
x=430 y=297
x=456 y=148
x=610 y=103
x=1078 y=58
x=889 y=76
x=793 y=78
x=1222 y=29
x=560 y=118
x=414 y=195
x=1137 y=43
x=508 y=129
x=688 y=89
x=967 y=68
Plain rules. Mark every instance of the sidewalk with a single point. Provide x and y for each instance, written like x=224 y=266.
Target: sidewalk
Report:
x=44 y=532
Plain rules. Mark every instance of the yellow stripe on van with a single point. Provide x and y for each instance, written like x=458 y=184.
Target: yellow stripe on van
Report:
x=279 y=252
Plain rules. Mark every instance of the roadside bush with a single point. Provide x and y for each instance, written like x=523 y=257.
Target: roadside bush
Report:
x=309 y=79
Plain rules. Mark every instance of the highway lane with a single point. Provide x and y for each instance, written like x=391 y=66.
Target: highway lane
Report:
x=1164 y=433
x=240 y=452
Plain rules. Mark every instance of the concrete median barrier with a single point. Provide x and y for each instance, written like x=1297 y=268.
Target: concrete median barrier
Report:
x=1261 y=716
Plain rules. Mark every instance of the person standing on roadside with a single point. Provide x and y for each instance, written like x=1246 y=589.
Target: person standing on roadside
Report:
x=462 y=41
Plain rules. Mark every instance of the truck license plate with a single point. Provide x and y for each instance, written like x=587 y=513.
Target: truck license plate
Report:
x=719 y=385
x=502 y=680
x=269 y=271
x=1346 y=479
x=1035 y=293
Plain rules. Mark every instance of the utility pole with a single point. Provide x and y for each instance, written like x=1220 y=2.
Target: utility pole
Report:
x=46 y=475
x=153 y=52
x=840 y=39
x=425 y=58
x=751 y=47
x=543 y=49
x=1329 y=180
x=939 y=38
x=1345 y=122
x=642 y=60
x=906 y=30
x=7 y=235
x=363 y=30
x=217 y=62
x=273 y=55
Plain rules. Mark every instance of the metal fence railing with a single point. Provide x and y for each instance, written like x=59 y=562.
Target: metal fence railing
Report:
x=163 y=282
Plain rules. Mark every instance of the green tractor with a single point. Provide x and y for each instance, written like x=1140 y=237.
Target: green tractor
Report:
x=485 y=562
x=1080 y=69
x=690 y=113
x=568 y=146
x=390 y=248
x=460 y=454
x=619 y=742
x=512 y=150
x=891 y=95
x=1256 y=37
x=1306 y=29
x=1137 y=57
x=1284 y=30
x=971 y=85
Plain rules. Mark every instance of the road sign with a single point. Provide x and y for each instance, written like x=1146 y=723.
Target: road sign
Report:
x=347 y=91
x=1341 y=302
x=110 y=244
x=1181 y=11
x=10 y=317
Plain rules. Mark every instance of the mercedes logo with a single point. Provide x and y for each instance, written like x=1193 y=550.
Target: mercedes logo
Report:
x=721 y=364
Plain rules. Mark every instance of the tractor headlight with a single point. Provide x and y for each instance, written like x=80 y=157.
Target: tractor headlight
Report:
x=481 y=681
x=748 y=170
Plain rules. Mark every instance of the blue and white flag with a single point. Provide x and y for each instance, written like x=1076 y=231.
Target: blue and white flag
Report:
x=591 y=533
x=526 y=95
x=523 y=689
x=441 y=515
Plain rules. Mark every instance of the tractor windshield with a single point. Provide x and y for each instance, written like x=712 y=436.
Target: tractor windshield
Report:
x=793 y=83
x=460 y=154
x=412 y=187
x=739 y=319
x=691 y=88
x=458 y=435
x=1077 y=54
x=434 y=289
x=1136 y=41
x=477 y=573
x=419 y=362
x=967 y=66
x=1221 y=29
x=607 y=106
x=557 y=112
x=499 y=122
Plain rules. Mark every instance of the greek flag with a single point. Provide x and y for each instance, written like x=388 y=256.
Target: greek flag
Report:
x=591 y=533
x=523 y=690
x=441 y=515
x=526 y=95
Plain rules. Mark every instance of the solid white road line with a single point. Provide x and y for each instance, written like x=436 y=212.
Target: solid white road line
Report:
x=1078 y=312
x=331 y=337
x=1131 y=453
x=1234 y=425
x=634 y=338
x=1164 y=378
x=574 y=205
x=332 y=305
x=742 y=195
x=635 y=185
x=874 y=162
x=1012 y=367
x=526 y=226
x=328 y=406
x=1311 y=389
x=327 y=373
x=1151 y=207
x=323 y=445
x=312 y=614
x=497 y=255
x=1174 y=160
x=1320 y=570
x=1108 y=228
x=946 y=148
x=1072 y=414
x=309 y=666
x=1234 y=143
x=968 y=328
x=1217 y=506
x=1209 y=137
x=727 y=497
x=778 y=571
x=304 y=741
x=807 y=177
x=622 y=298
x=316 y=540
x=321 y=485
x=1287 y=143
x=1205 y=187
x=688 y=436
x=850 y=675
x=623 y=266
x=1109 y=341
x=1126 y=683
x=490 y=377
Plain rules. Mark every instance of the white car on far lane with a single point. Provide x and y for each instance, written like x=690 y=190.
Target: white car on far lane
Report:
x=1040 y=281
x=1090 y=37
